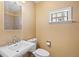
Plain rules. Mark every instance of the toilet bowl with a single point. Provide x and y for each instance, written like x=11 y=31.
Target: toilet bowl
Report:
x=41 y=53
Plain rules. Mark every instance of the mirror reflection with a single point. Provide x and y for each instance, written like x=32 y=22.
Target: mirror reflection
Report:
x=12 y=16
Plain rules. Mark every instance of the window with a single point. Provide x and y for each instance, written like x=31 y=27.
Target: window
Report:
x=60 y=15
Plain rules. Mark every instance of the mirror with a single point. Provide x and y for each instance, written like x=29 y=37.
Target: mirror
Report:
x=12 y=16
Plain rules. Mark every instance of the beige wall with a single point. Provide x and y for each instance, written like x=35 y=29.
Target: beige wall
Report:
x=64 y=37
x=28 y=19
x=29 y=22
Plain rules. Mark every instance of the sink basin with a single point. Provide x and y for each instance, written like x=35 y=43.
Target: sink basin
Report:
x=17 y=49
x=18 y=46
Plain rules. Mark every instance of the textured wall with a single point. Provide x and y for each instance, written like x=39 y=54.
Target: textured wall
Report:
x=64 y=37
x=29 y=23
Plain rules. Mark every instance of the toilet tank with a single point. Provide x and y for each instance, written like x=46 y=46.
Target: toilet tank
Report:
x=33 y=40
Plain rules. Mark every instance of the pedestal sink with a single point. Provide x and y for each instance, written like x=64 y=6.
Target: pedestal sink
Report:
x=17 y=49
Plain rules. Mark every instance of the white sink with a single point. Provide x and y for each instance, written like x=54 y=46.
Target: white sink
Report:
x=18 y=45
x=18 y=49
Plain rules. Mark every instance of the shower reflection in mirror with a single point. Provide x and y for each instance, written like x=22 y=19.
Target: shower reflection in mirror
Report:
x=12 y=16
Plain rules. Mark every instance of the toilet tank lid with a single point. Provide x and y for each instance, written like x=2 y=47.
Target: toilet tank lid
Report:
x=33 y=39
x=42 y=52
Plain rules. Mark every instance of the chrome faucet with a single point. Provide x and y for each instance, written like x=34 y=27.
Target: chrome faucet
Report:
x=14 y=40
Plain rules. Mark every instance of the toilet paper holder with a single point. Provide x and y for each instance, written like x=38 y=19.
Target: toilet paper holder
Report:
x=48 y=43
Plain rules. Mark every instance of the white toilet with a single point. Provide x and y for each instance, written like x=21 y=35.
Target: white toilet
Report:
x=41 y=53
x=38 y=52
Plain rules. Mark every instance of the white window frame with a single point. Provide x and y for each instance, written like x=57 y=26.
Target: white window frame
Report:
x=62 y=10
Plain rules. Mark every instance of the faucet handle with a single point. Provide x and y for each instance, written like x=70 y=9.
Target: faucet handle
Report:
x=9 y=42
x=17 y=40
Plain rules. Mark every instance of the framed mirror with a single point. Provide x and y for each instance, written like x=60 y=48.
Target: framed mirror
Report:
x=12 y=16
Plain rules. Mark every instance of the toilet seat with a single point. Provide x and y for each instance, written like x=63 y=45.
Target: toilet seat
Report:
x=41 y=52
